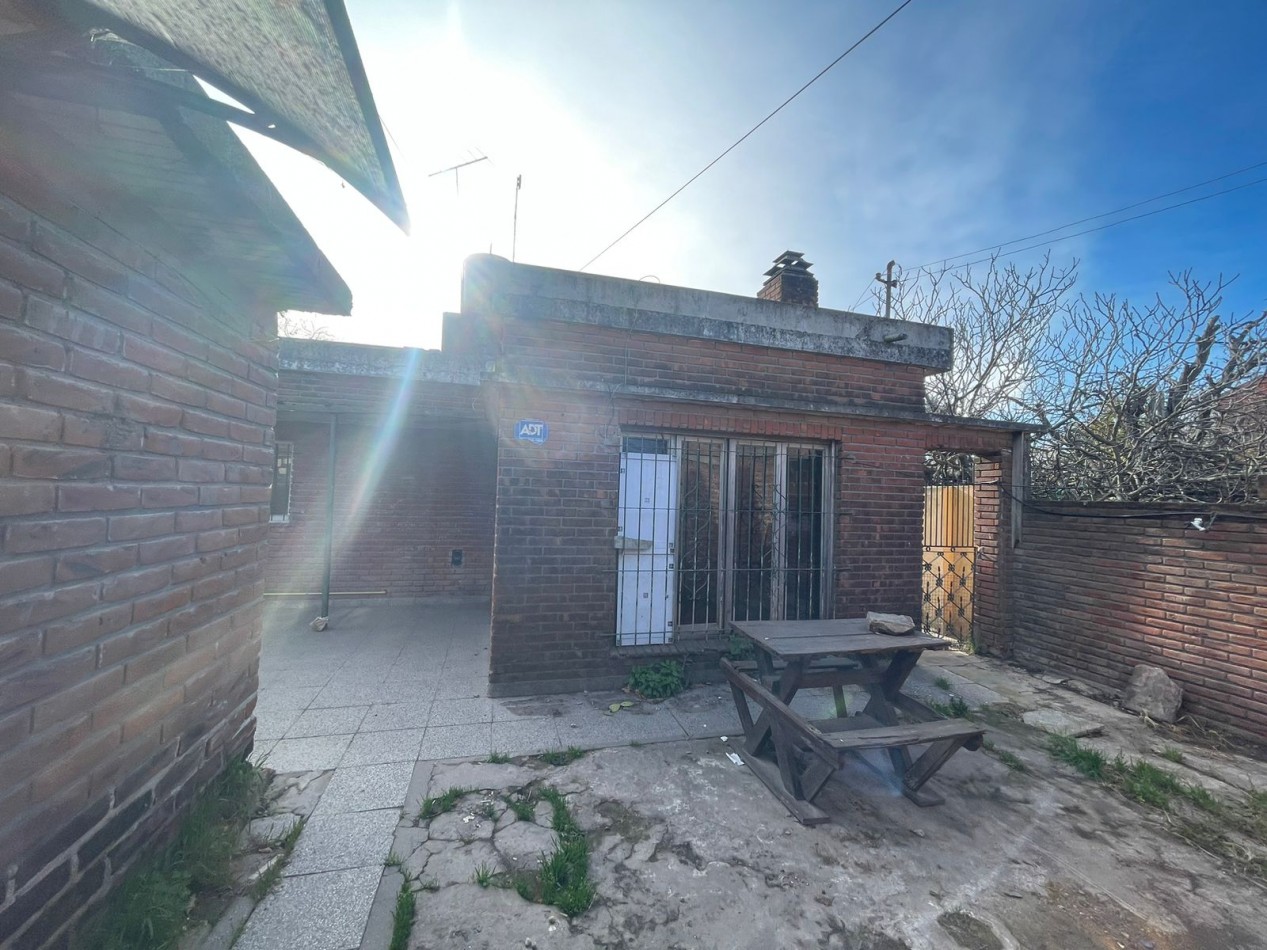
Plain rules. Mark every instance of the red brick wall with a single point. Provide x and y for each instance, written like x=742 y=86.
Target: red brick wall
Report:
x=545 y=353
x=402 y=506
x=554 y=585
x=134 y=466
x=1095 y=596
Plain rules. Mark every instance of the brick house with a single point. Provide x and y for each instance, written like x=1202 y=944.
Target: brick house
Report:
x=621 y=466
x=143 y=259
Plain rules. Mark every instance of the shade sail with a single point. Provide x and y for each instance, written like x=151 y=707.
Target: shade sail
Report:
x=294 y=63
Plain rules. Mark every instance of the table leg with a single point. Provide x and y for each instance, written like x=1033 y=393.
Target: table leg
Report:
x=789 y=683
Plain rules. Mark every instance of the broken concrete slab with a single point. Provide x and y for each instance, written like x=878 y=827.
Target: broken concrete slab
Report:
x=1060 y=723
x=1153 y=693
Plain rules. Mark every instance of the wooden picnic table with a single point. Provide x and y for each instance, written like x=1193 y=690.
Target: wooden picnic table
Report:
x=794 y=756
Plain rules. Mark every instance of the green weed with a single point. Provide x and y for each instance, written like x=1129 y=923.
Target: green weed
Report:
x=561 y=756
x=484 y=875
x=524 y=805
x=563 y=878
x=439 y=804
x=1087 y=761
x=1173 y=754
x=403 y=916
x=942 y=683
x=152 y=906
x=658 y=680
x=498 y=758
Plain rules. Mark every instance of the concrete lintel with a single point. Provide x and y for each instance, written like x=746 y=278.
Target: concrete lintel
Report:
x=739 y=400
x=494 y=286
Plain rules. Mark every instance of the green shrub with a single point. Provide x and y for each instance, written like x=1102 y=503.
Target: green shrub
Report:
x=658 y=680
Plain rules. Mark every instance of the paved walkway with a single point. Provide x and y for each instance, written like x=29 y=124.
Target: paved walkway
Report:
x=376 y=697
x=386 y=691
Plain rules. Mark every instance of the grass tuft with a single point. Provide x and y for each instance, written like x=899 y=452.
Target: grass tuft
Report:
x=942 y=683
x=498 y=758
x=1087 y=761
x=444 y=802
x=563 y=878
x=561 y=756
x=484 y=875
x=150 y=909
x=403 y=916
x=955 y=709
x=1173 y=754
x=523 y=804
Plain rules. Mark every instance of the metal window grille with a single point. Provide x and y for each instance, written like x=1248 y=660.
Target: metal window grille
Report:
x=712 y=529
x=283 y=463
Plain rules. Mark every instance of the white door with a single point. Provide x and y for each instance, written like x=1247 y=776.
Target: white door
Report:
x=645 y=539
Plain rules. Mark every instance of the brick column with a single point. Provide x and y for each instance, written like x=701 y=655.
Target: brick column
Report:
x=992 y=524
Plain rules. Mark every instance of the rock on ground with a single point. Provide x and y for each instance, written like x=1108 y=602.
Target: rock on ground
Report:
x=1153 y=693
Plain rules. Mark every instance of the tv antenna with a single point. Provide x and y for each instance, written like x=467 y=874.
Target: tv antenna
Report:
x=457 y=186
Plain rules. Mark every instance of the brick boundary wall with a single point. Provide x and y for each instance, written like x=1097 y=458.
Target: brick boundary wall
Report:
x=135 y=461
x=402 y=507
x=1096 y=595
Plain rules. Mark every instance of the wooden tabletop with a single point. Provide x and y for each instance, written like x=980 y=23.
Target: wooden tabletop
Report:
x=796 y=639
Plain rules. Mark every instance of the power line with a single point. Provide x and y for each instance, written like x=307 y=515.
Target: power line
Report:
x=1096 y=217
x=875 y=29
x=1103 y=227
x=1113 y=224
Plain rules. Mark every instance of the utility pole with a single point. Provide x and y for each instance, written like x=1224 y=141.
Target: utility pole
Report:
x=889 y=283
x=514 y=231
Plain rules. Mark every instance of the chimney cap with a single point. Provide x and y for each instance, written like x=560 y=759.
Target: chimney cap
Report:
x=789 y=260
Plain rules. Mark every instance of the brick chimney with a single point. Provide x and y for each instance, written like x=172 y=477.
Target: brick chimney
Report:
x=789 y=281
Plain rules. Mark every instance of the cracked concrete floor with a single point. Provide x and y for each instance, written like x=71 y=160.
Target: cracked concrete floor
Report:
x=690 y=851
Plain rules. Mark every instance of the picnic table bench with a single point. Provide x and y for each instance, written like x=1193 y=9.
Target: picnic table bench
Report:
x=795 y=756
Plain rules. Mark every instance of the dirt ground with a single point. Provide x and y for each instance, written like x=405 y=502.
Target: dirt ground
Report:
x=689 y=850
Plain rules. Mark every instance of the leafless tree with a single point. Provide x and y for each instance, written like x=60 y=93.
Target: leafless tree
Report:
x=301 y=326
x=1160 y=403
x=1001 y=317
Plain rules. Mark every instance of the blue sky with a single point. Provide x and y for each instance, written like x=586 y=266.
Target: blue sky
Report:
x=959 y=125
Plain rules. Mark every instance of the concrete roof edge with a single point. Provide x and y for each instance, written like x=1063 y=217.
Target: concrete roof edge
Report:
x=494 y=285
x=362 y=359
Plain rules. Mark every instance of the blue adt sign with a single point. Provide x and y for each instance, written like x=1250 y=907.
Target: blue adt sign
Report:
x=532 y=430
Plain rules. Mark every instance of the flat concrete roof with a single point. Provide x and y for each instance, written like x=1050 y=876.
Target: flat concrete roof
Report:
x=362 y=359
x=492 y=285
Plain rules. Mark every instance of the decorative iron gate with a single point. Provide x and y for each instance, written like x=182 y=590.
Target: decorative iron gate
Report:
x=949 y=552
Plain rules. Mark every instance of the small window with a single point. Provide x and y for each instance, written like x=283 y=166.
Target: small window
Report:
x=283 y=463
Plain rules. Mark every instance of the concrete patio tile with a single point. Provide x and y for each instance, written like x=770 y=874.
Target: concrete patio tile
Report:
x=366 y=788
x=448 y=742
x=366 y=695
x=537 y=707
x=457 y=712
x=338 y=842
x=385 y=716
x=462 y=686
x=270 y=725
x=286 y=697
x=302 y=755
x=525 y=737
x=325 y=911
x=339 y=721
x=374 y=748
x=297 y=678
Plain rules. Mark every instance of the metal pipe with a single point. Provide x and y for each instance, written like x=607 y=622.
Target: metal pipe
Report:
x=329 y=539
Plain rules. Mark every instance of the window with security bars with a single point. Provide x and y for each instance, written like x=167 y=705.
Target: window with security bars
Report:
x=283 y=463
x=717 y=529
